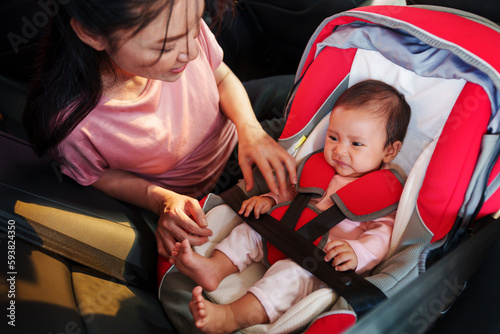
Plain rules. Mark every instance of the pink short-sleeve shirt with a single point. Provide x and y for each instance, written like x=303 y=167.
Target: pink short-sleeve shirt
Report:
x=173 y=134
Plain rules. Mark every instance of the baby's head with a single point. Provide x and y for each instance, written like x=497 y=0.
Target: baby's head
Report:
x=367 y=126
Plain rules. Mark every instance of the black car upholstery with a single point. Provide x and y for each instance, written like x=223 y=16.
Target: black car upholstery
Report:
x=54 y=295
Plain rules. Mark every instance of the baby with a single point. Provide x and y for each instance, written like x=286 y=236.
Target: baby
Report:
x=366 y=129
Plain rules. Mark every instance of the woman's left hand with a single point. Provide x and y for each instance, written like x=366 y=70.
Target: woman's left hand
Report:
x=255 y=146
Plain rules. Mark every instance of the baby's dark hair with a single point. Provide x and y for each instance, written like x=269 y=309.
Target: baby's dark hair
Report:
x=382 y=100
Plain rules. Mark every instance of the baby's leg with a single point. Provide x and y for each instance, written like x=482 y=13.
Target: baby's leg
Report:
x=207 y=272
x=284 y=284
x=214 y=318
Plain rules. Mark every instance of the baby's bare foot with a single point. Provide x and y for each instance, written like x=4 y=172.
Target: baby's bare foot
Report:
x=199 y=268
x=209 y=317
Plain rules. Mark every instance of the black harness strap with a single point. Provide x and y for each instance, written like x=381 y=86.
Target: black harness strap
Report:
x=359 y=293
x=322 y=223
x=292 y=214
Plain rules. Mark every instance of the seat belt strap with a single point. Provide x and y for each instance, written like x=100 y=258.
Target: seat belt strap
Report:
x=322 y=223
x=359 y=293
x=292 y=214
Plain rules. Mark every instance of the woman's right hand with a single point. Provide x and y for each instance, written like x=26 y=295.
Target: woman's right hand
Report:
x=181 y=218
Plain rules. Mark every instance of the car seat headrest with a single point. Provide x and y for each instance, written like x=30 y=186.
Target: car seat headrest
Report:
x=431 y=100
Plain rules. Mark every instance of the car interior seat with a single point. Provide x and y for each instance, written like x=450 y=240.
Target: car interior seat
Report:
x=83 y=262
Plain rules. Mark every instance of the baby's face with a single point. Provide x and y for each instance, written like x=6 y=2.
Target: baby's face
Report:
x=355 y=142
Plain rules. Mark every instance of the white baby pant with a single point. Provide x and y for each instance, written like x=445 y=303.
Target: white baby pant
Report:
x=284 y=283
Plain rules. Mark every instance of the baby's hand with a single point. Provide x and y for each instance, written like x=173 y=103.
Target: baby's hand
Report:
x=342 y=254
x=260 y=204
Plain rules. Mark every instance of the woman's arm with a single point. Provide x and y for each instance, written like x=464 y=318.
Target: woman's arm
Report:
x=255 y=146
x=181 y=217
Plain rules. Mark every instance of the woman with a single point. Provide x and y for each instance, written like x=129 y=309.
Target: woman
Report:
x=133 y=98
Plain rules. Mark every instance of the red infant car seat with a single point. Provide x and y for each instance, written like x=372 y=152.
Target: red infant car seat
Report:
x=439 y=60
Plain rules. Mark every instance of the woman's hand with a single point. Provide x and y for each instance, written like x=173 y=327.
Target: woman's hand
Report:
x=181 y=218
x=255 y=146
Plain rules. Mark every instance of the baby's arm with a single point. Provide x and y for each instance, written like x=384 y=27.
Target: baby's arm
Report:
x=259 y=204
x=372 y=246
x=344 y=257
x=263 y=203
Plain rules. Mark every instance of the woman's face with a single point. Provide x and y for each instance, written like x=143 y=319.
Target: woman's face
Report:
x=140 y=55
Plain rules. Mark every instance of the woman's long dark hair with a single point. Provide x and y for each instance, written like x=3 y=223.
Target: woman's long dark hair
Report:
x=68 y=80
